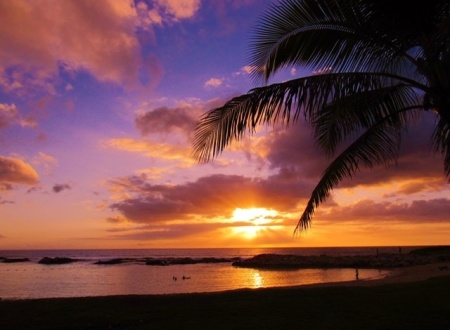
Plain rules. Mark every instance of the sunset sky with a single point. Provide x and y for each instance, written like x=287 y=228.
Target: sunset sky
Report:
x=98 y=103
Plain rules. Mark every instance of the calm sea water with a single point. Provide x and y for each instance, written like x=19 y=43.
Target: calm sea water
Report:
x=30 y=280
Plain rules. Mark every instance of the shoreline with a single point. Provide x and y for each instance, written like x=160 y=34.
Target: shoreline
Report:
x=401 y=275
x=414 y=274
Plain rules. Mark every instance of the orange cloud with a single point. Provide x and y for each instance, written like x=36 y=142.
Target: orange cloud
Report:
x=245 y=70
x=170 y=130
x=427 y=184
x=16 y=171
x=97 y=36
x=162 y=151
x=155 y=172
x=213 y=82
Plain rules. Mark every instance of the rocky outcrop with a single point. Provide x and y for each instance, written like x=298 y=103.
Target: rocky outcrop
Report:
x=440 y=251
x=157 y=262
x=165 y=261
x=118 y=261
x=187 y=261
x=115 y=261
x=13 y=260
x=275 y=261
x=56 y=260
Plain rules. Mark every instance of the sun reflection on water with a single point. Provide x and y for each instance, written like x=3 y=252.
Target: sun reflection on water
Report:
x=257 y=280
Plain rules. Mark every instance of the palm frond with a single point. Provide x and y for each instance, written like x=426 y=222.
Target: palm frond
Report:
x=377 y=145
x=441 y=141
x=342 y=35
x=281 y=102
x=349 y=114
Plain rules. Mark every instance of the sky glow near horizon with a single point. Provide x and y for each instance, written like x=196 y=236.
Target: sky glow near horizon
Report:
x=98 y=102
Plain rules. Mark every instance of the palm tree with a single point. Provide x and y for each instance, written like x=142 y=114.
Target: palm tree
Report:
x=381 y=62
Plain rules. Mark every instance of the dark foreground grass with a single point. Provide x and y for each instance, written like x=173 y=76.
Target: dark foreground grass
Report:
x=420 y=305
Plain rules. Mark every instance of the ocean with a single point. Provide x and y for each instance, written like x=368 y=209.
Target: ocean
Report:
x=31 y=280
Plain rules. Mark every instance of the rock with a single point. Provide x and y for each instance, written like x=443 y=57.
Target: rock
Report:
x=14 y=260
x=115 y=261
x=56 y=260
x=186 y=261
x=157 y=262
x=274 y=261
x=442 y=251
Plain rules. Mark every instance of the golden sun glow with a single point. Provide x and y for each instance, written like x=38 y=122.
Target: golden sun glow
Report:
x=256 y=218
x=247 y=231
x=256 y=215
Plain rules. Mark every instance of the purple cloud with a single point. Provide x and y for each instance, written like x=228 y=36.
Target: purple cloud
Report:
x=57 y=188
x=165 y=120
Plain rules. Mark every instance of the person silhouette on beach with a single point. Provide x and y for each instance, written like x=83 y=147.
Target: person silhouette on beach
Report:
x=357 y=274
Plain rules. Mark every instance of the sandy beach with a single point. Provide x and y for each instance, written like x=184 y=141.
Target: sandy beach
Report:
x=411 y=274
x=402 y=275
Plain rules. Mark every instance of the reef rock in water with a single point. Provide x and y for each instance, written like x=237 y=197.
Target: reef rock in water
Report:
x=56 y=260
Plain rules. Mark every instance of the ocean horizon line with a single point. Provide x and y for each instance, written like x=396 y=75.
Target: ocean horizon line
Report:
x=223 y=248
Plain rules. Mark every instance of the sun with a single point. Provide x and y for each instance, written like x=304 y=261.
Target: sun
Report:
x=256 y=219
x=255 y=215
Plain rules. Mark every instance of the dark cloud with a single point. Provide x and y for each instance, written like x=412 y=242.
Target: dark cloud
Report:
x=294 y=149
x=165 y=120
x=57 y=188
x=34 y=189
x=418 y=211
x=6 y=201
